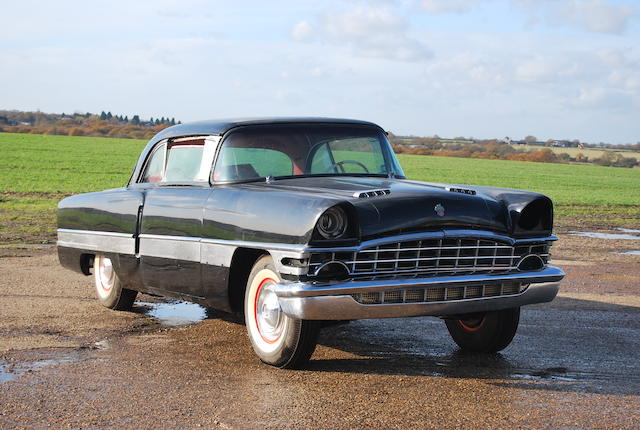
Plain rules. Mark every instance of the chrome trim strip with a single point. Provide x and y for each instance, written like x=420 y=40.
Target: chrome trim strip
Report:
x=174 y=247
x=346 y=307
x=305 y=289
x=258 y=245
x=95 y=233
x=102 y=241
x=169 y=237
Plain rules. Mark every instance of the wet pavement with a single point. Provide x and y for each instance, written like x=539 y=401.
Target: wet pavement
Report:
x=66 y=362
x=621 y=234
x=573 y=364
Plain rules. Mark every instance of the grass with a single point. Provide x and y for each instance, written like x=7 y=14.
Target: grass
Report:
x=36 y=171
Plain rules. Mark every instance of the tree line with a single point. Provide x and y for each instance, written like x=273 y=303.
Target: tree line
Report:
x=104 y=124
x=500 y=150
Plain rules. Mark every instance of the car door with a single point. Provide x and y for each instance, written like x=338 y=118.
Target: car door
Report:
x=177 y=187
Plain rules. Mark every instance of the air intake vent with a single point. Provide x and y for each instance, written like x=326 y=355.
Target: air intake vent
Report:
x=461 y=190
x=371 y=193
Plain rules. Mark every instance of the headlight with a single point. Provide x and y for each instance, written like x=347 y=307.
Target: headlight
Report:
x=333 y=223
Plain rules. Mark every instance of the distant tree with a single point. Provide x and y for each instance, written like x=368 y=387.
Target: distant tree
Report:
x=103 y=116
x=173 y=121
x=135 y=120
x=126 y=118
x=530 y=139
x=157 y=122
x=109 y=116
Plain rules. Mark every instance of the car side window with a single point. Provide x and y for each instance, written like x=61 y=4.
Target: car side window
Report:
x=181 y=160
x=155 y=165
x=183 y=163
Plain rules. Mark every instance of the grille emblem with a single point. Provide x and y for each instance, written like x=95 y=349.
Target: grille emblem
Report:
x=439 y=209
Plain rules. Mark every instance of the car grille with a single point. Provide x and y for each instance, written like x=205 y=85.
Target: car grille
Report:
x=426 y=257
x=439 y=294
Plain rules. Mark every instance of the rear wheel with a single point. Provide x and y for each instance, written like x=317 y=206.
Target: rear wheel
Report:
x=277 y=339
x=485 y=332
x=111 y=293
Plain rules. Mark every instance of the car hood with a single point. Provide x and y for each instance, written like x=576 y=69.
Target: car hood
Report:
x=408 y=205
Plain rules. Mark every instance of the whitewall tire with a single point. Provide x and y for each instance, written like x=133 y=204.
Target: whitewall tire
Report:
x=277 y=339
x=109 y=289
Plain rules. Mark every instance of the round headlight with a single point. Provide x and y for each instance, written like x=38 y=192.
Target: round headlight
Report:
x=333 y=223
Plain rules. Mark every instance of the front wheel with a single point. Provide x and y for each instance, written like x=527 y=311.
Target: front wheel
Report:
x=111 y=293
x=277 y=339
x=486 y=331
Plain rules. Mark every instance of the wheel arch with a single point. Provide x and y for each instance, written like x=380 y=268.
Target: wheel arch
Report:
x=241 y=264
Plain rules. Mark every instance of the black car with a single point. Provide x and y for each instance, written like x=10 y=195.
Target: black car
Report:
x=295 y=221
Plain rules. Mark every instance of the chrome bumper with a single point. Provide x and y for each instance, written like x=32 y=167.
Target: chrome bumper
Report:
x=334 y=302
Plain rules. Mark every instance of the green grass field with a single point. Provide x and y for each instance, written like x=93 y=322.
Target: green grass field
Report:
x=36 y=171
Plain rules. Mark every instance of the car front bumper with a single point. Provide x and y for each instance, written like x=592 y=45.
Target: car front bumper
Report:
x=336 y=301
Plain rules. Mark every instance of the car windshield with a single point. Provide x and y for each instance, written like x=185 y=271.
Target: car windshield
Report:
x=289 y=151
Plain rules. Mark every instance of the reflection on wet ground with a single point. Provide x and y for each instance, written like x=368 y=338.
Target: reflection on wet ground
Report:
x=627 y=253
x=174 y=312
x=10 y=370
x=627 y=234
x=561 y=349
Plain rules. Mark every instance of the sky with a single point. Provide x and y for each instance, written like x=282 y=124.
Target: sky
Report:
x=561 y=69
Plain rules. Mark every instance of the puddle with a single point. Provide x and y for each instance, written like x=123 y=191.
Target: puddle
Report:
x=627 y=253
x=10 y=370
x=598 y=235
x=628 y=230
x=175 y=313
x=527 y=377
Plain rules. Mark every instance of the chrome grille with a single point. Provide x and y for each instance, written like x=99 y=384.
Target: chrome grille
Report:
x=432 y=256
x=438 y=294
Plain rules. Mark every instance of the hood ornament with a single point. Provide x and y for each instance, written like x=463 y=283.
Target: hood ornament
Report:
x=439 y=209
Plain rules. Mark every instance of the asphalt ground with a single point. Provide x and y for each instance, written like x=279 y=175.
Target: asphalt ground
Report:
x=66 y=362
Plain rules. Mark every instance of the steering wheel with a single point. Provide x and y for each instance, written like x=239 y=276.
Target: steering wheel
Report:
x=341 y=164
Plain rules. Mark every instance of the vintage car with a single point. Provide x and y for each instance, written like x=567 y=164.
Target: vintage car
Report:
x=296 y=221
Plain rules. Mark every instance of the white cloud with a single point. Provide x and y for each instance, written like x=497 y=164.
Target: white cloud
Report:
x=602 y=98
x=448 y=6
x=597 y=15
x=302 y=31
x=369 y=32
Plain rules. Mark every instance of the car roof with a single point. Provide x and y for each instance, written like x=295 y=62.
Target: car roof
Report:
x=219 y=127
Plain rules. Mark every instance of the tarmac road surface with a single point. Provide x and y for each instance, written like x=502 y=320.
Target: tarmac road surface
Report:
x=67 y=363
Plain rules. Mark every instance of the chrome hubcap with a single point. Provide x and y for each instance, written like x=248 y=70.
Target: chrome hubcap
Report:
x=105 y=273
x=269 y=317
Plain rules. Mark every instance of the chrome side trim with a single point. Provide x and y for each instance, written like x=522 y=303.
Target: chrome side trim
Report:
x=215 y=252
x=175 y=247
x=105 y=241
x=258 y=245
x=346 y=308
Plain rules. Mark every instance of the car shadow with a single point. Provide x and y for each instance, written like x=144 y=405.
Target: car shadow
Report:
x=570 y=345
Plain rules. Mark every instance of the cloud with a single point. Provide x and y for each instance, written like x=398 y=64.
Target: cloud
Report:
x=302 y=31
x=448 y=6
x=369 y=32
x=597 y=16
x=602 y=98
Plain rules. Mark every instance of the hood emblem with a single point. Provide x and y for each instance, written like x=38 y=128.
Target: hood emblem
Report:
x=439 y=209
